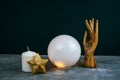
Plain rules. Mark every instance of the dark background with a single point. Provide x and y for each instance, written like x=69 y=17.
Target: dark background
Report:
x=36 y=23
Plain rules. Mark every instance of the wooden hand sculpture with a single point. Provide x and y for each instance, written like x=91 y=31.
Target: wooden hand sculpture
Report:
x=90 y=45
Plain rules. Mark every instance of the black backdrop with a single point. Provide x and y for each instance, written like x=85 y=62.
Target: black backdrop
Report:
x=35 y=23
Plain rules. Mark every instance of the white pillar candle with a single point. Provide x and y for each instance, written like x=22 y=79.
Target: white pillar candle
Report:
x=26 y=56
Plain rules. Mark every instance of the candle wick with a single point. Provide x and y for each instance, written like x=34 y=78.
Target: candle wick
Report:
x=28 y=48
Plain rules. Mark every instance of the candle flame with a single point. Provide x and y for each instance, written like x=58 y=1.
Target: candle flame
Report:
x=59 y=64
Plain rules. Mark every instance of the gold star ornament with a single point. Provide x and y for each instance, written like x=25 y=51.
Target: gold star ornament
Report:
x=38 y=64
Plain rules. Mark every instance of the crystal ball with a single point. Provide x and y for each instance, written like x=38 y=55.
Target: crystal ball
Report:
x=64 y=51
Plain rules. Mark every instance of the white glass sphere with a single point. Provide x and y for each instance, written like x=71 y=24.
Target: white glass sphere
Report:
x=64 y=51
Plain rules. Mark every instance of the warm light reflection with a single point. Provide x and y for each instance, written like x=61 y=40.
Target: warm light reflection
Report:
x=59 y=64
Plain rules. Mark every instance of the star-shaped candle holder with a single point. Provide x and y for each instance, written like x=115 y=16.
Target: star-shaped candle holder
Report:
x=38 y=64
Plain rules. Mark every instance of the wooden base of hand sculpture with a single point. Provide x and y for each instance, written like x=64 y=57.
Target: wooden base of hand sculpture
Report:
x=90 y=45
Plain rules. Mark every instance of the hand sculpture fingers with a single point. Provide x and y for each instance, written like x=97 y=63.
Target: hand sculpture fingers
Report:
x=88 y=26
x=96 y=32
x=92 y=24
x=85 y=38
x=96 y=36
x=91 y=31
x=92 y=28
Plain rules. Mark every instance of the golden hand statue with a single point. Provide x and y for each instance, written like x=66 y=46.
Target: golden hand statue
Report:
x=90 y=45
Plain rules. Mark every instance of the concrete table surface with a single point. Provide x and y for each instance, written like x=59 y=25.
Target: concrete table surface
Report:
x=108 y=68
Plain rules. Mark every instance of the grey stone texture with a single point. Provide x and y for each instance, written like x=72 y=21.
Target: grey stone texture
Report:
x=108 y=68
